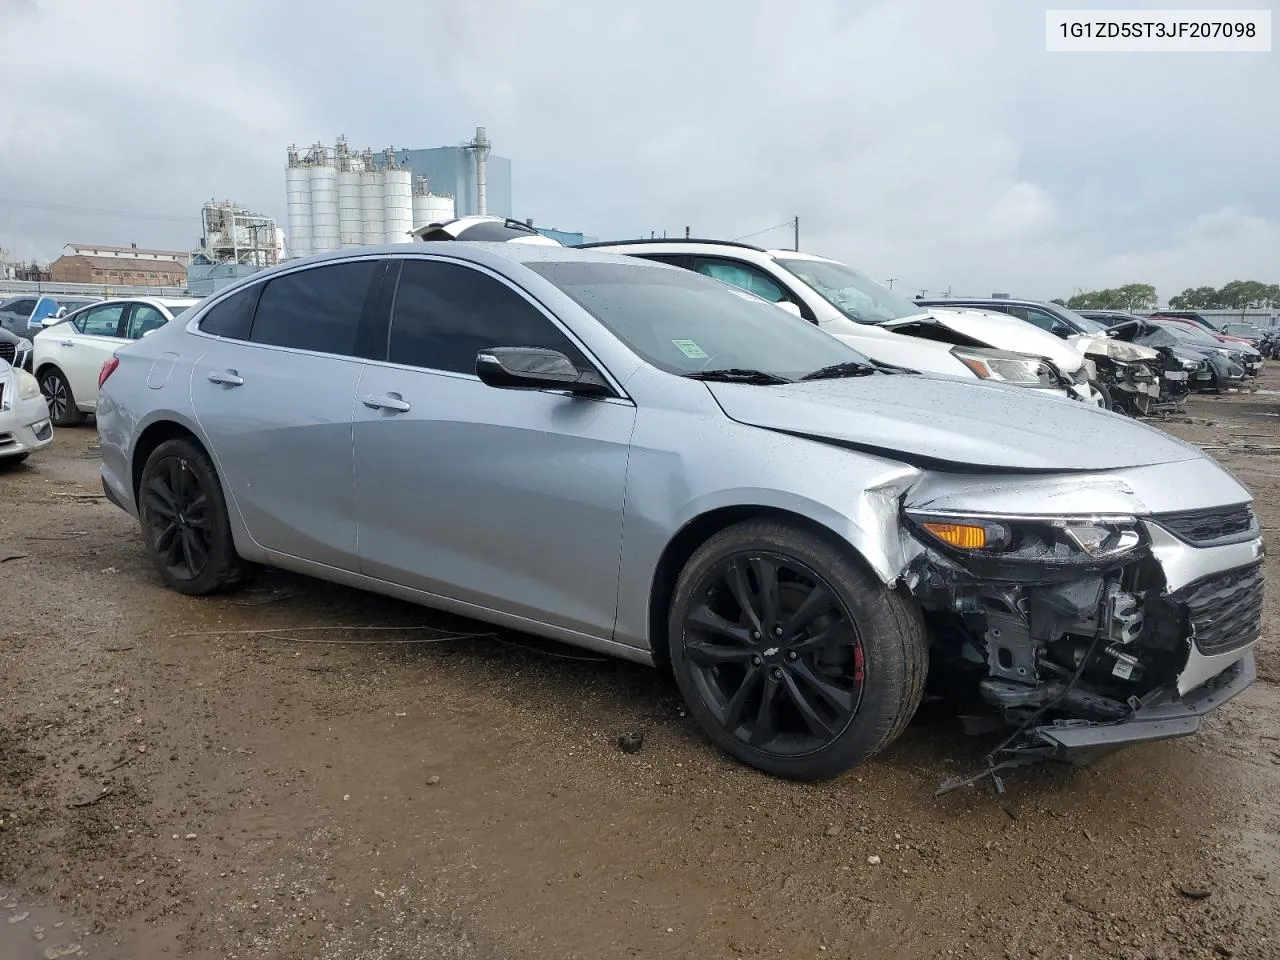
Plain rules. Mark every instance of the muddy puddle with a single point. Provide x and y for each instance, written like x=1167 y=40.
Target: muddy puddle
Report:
x=29 y=931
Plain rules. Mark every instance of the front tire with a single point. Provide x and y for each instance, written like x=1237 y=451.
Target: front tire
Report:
x=63 y=411
x=9 y=463
x=184 y=520
x=790 y=657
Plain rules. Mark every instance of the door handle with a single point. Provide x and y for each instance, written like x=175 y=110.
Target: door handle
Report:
x=227 y=378
x=387 y=402
x=67 y=343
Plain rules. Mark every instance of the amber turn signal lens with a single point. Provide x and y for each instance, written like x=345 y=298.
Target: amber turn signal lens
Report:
x=962 y=535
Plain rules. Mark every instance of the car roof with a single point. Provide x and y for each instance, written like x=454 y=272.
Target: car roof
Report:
x=475 y=251
x=700 y=245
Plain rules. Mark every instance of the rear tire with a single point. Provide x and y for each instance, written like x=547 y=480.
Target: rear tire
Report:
x=8 y=463
x=834 y=673
x=184 y=520
x=63 y=411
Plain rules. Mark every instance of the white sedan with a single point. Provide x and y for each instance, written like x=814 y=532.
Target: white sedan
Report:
x=24 y=418
x=69 y=353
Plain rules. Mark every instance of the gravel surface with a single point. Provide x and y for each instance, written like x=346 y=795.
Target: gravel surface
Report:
x=218 y=778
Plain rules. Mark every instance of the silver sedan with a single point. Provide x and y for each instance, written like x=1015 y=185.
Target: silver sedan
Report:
x=644 y=461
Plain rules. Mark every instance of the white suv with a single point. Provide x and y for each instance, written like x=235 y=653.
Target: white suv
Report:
x=879 y=323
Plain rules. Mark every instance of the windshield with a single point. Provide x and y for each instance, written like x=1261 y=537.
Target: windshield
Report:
x=1190 y=333
x=685 y=323
x=859 y=298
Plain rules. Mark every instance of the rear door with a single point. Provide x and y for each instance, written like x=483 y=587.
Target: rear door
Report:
x=505 y=499
x=273 y=393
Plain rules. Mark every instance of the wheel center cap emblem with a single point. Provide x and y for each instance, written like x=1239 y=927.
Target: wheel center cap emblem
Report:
x=771 y=652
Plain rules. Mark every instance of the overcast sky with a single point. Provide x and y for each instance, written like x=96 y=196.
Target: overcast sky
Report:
x=934 y=141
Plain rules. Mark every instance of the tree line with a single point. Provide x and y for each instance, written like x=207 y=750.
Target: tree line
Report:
x=1141 y=297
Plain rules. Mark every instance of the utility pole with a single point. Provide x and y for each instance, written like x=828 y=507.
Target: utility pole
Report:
x=795 y=224
x=686 y=233
x=890 y=282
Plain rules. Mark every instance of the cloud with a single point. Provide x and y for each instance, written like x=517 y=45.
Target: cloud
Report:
x=923 y=139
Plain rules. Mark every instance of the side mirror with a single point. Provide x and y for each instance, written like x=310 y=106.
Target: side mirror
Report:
x=788 y=306
x=535 y=368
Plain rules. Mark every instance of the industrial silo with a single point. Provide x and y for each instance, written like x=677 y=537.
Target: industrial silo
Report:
x=297 y=185
x=350 y=197
x=428 y=207
x=324 y=202
x=372 y=201
x=397 y=190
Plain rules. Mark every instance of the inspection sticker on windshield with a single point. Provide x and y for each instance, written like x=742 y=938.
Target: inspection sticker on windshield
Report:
x=690 y=349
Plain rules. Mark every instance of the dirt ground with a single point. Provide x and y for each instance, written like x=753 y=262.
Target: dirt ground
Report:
x=174 y=784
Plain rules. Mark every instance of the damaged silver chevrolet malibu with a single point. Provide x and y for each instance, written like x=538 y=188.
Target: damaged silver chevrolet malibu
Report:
x=644 y=461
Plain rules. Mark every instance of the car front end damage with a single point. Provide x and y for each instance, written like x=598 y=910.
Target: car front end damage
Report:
x=1103 y=622
x=1130 y=373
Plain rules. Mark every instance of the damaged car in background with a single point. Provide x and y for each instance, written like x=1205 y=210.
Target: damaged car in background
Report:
x=1240 y=353
x=642 y=461
x=878 y=322
x=1208 y=363
x=1135 y=380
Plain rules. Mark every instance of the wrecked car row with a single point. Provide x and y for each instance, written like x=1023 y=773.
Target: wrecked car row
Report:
x=629 y=456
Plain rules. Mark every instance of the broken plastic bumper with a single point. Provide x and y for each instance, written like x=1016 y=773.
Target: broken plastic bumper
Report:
x=1162 y=719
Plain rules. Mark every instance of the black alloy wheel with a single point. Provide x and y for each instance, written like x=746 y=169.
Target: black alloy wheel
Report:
x=774 y=653
x=178 y=514
x=790 y=656
x=184 y=520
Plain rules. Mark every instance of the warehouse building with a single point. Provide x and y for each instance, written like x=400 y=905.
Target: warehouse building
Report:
x=123 y=266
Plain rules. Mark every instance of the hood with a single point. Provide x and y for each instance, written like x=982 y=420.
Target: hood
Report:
x=1002 y=332
x=953 y=425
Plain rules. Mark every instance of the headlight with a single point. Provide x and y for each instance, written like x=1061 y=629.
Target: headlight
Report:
x=1189 y=364
x=1039 y=541
x=1119 y=349
x=28 y=386
x=1020 y=369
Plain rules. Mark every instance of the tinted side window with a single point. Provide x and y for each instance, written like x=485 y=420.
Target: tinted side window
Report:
x=674 y=259
x=101 y=321
x=233 y=316
x=1047 y=321
x=445 y=314
x=317 y=309
x=23 y=307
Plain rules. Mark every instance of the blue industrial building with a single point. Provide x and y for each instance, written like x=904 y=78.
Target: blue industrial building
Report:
x=452 y=171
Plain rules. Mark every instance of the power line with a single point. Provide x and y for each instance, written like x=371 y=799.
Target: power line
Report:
x=94 y=211
x=757 y=233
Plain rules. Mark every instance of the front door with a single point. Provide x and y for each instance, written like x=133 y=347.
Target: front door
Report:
x=507 y=499
x=275 y=397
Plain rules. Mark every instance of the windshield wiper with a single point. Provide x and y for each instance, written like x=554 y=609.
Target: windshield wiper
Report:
x=836 y=370
x=737 y=375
